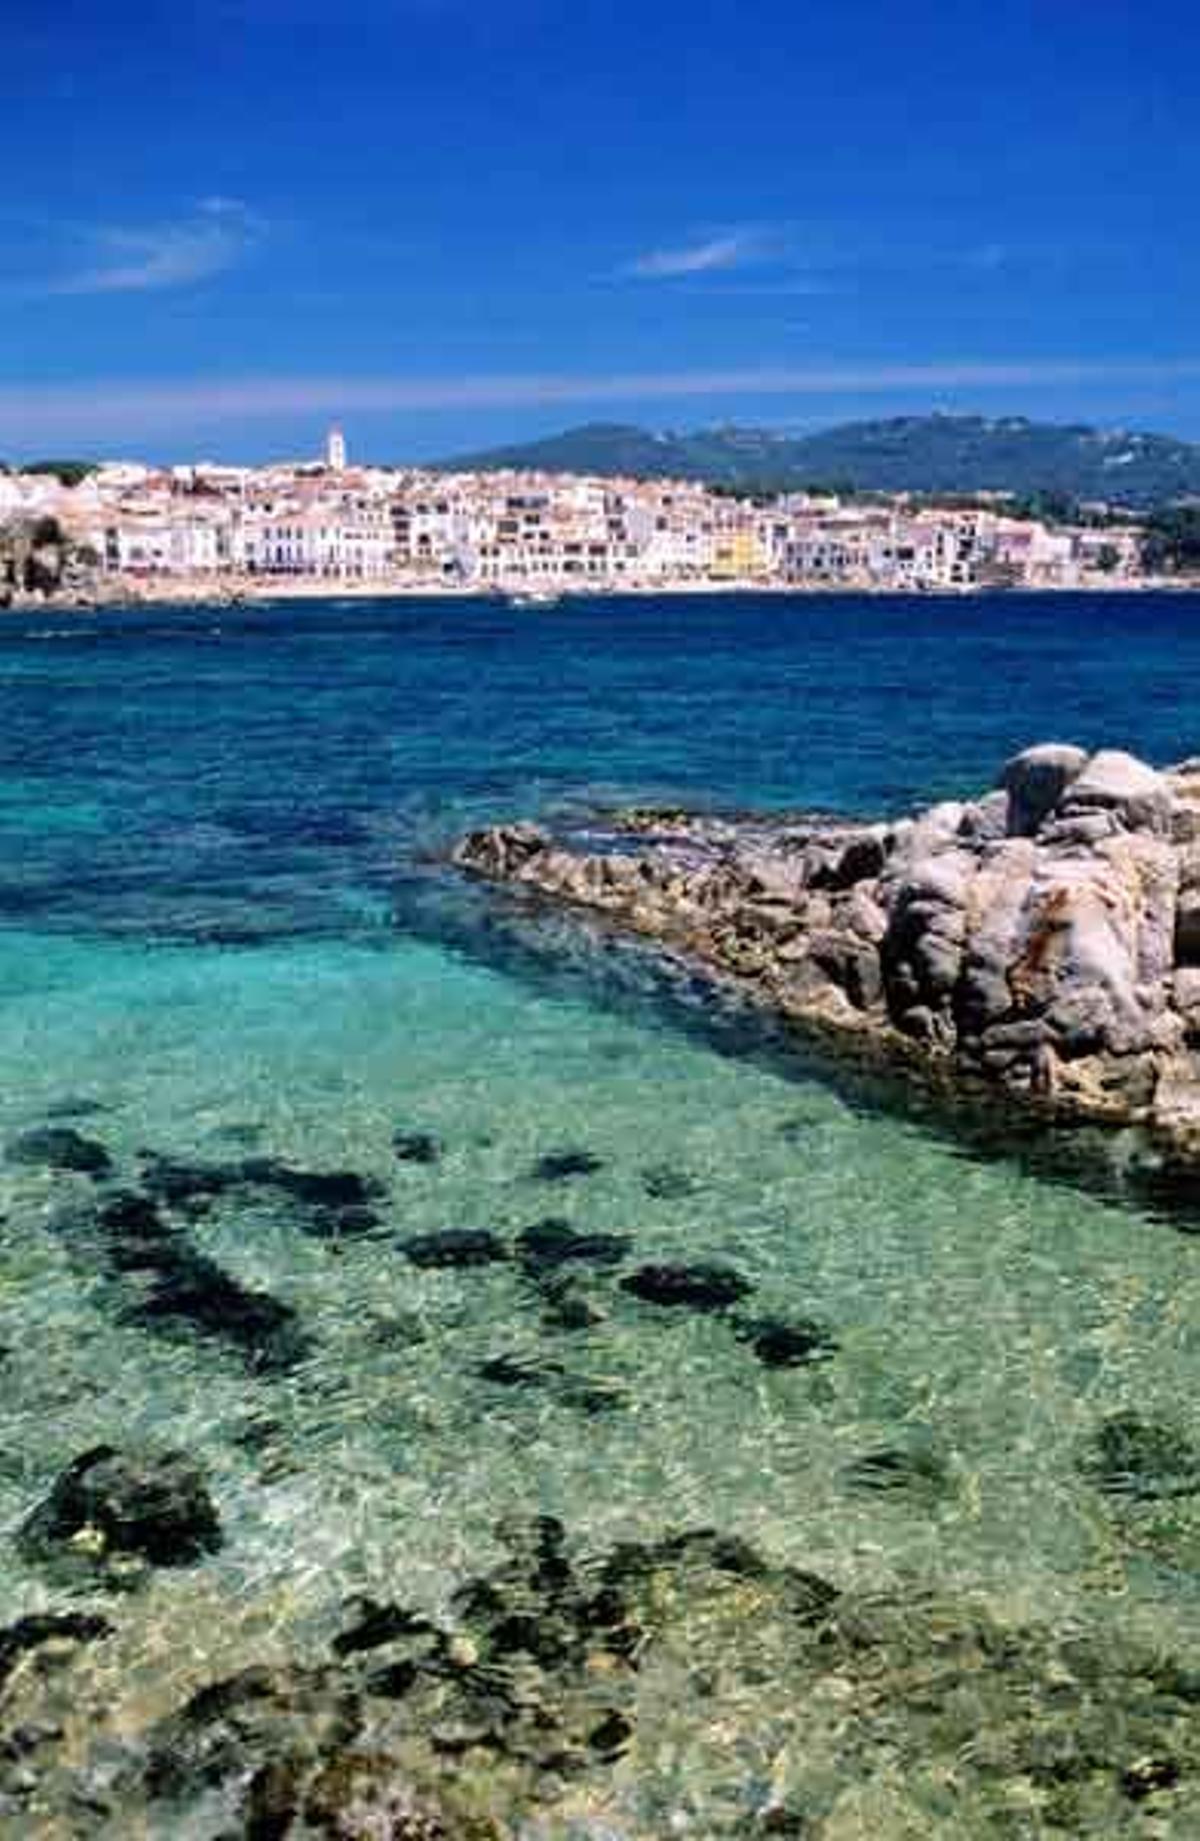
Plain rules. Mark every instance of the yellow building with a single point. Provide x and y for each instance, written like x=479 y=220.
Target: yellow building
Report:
x=737 y=554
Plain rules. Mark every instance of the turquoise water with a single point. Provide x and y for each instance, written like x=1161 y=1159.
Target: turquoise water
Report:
x=227 y=931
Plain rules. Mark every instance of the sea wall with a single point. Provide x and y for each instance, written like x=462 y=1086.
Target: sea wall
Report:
x=1041 y=941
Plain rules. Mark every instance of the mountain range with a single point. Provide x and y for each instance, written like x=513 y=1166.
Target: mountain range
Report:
x=928 y=454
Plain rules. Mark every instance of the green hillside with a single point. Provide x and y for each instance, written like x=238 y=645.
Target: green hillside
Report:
x=935 y=453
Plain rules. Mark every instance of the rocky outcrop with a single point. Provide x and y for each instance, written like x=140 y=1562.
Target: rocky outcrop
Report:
x=1043 y=939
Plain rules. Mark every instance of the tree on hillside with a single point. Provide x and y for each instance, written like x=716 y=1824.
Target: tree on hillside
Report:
x=67 y=472
x=1172 y=541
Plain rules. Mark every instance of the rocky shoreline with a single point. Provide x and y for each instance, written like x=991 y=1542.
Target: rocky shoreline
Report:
x=1040 y=943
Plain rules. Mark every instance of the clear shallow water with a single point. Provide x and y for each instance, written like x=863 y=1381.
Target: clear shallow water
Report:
x=222 y=926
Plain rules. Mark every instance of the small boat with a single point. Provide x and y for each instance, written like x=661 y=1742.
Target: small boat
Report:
x=534 y=597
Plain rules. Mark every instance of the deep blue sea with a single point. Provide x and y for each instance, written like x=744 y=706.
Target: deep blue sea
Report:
x=227 y=930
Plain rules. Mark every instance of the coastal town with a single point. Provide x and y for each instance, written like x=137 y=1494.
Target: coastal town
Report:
x=207 y=530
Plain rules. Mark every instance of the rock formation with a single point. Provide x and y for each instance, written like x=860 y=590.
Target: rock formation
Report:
x=1043 y=939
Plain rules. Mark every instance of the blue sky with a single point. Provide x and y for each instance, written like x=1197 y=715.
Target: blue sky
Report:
x=452 y=222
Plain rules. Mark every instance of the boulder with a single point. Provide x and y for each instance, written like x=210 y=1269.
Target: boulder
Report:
x=552 y=1243
x=780 y=1343
x=1035 y=780
x=1144 y=1458
x=416 y=1146
x=562 y=1166
x=917 y=1469
x=456 y=1246
x=153 y=1505
x=1121 y=784
x=59 y=1147
x=39 y=1628
x=698 y=1287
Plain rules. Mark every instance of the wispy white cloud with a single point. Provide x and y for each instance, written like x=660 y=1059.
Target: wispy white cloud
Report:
x=706 y=256
x=119 y=260
x=108 y=411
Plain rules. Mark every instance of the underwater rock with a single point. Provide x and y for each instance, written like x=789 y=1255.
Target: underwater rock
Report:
x=59 y=1147
x=228 y=1731
x=887 y=1711
x=695 y=1563
x=591 y=1396
x=376 y=1624
x=567 y=1308
x=169 y=1283
x=917 y=1468
x=31 y=1632
x=258 y=1433
x=611 y=1739
x=778 y=1819
x=535 y=1685
x=455 y=1246
x=176 y=1182
x=136 y=1236
x=1142 y=1458
x=543 y=1634
x=239 y=1131
x=697 y=1287
x=1146 y=1776
x=390 y=1329
x=353 y=1795
x=518 y=1371
x=76 y=1106
x=191 y=1290
x=152 y=1504
x=562 y=1166
x=554 y=1242
x=285 y=1752
x=351 y=1223
x=536 y=1549
x=667 y=1184
x=788 y=1344
x=335 y=1189
x=708 y=1547
x=587 y=1394
x=533 y=1539
x=416 y=1147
